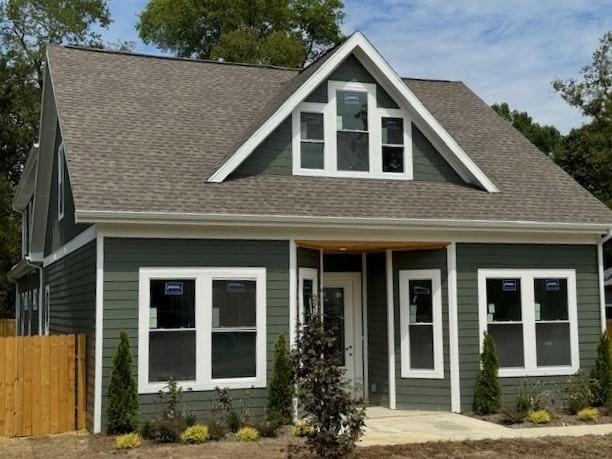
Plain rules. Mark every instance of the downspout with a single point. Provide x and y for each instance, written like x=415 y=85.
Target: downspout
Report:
x=600 y=267
x=39 y=267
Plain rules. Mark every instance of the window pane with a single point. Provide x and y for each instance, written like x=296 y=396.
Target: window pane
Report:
x=311 y=126
x=172 y=354
x=553 y=344
x=307 y=298
x=233 y=355
x=393 y=131
x=352 y=110
x=172 y=303
x=550 y=299
x=504 y=300
x=353 y=151
x=311 y=155
x=333 y=309
x=234 y=303
x=508 y=340
x=393 y=159
x=421 y=302
x=421 y=347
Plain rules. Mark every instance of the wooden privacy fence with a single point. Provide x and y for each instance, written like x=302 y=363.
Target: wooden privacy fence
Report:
x=7 y=327
x=42 y=384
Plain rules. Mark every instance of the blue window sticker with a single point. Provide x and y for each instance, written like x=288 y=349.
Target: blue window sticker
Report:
x=174 y=288
x=351 y=99
x=234 y=287
x=509 y=285
x=418 y=290
x=553 y=285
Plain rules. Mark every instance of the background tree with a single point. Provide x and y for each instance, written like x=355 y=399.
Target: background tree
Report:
x=276 y=32
x=26 y=26
x=545 y=137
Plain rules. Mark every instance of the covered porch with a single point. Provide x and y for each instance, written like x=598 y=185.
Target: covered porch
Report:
x=389 y=301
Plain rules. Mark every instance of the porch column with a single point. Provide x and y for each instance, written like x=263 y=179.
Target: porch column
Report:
x=293 y=288
x=453 y=327
x=390 y=328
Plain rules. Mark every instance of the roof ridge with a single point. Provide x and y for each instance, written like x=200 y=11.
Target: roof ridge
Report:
x=175 y=58
x=433 y=80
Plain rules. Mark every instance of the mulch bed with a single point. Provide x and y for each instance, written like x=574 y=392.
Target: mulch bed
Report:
x=558 y=418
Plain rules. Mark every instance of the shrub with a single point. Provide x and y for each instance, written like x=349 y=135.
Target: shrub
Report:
x=337 y=417
x=122 y=408
x=487 y=393
x=578 y=392
x=280 y=390
x=267 y=429
x=302 y=429
x=217 y=430
x=128 y=441
x=195 y=434
x=167 y=426
x=225 y=405
x=247 y=434
x=512 y=414
x=588 y=414
x=146 y=431
x=531 y=396
x=539 y=417
x=601 y=375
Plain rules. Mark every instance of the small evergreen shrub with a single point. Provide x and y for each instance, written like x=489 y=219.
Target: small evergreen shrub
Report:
x=539 y=417
x=128 y=441
x=167 y=426
x=487 y=392
x=337 y=417
x=146 y=431
x=601 y=374
x=267 y=429
x=122 y=408
x=247 y=434
x=280 y=391
x=217 y=430
x=578 y=392
x=588 y=414
x=195 y=434
x=301 y=429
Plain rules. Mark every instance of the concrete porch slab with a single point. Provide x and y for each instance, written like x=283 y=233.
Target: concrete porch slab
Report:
x=389 y=427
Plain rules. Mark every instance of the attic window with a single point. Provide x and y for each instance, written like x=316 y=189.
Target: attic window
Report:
x=350 y=136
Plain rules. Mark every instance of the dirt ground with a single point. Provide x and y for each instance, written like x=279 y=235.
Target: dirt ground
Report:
x=85 y=446
x=558 y=418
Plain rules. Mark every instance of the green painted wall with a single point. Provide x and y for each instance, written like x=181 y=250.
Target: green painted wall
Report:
x=72 y=282
x=124 y=257
x=412 y=393
x=60 y=232
x=378 y=368
x=428 y=164
x=351 y=69
x=471 y=257
x=272 y=157
x=27 y=287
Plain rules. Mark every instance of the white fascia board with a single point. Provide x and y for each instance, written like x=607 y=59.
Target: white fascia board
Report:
x=101 y=216
x=27 y=183
x=357 y=42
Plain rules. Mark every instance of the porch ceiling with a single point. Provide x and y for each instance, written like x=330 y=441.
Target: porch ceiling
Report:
x=368 y=246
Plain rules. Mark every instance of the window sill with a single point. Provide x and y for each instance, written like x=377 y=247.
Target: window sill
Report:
x=192 y=386
x=422 y=374
x=536 y=372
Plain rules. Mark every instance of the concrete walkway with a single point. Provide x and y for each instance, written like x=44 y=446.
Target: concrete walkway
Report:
x=389 y=427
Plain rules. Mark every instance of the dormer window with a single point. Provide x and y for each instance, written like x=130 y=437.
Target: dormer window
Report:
x=350 y=136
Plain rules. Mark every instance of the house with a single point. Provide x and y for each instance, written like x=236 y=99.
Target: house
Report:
x=608 y=292
x=203 y=206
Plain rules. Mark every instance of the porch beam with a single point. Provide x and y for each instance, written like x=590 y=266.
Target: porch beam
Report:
x=390 y=328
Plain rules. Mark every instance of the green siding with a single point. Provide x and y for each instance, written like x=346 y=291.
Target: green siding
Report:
x=124 y=257
x=428 y=164
x=272 y=156
x=28 y=286
x=351 y=69
x=72 y=283
x=471 y=257
x=378 y=369
x=60 y=232
x=413 y=393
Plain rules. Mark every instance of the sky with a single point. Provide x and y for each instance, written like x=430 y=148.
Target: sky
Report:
x=505 y=50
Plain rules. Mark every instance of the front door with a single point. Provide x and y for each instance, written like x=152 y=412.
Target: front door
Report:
x=342 y=311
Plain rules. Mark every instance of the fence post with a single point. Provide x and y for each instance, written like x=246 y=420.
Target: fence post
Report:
x=81 y=381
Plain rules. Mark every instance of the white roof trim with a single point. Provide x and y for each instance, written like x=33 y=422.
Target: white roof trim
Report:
x=355 y=42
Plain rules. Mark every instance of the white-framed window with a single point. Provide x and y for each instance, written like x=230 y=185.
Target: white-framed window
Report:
x=421 y=324
x=60 y=182
x=308 y=292
x=205 y=327
x=350 y=136
x=532 y=317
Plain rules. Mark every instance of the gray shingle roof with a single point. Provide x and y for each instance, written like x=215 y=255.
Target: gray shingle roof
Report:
x=143 y=134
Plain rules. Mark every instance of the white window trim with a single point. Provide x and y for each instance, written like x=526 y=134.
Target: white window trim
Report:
x=306 y=274
x=46 y=310
x=203 y=311
x=405 y=276
x=528 y=318
x=61 y=201
x=375 y=115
